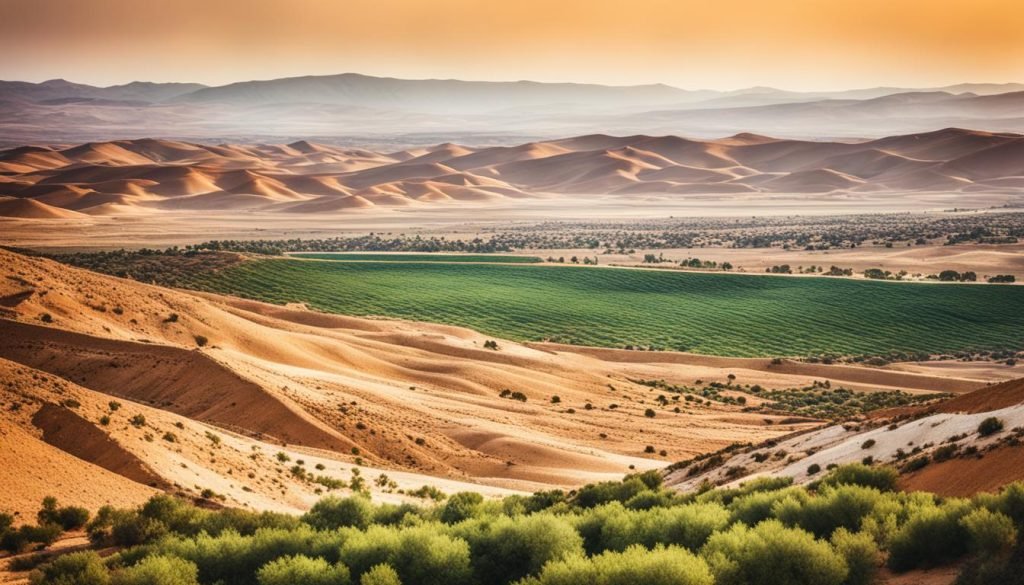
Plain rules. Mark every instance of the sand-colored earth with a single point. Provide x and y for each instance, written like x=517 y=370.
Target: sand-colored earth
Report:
x=126 y=177
x=415 y=401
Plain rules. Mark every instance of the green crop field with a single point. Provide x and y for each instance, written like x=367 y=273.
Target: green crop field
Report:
x=387 y=257
x=721 y=314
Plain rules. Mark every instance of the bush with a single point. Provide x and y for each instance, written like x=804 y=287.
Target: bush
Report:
x=301 y=570
x=771 y=554
x=635 y=565
x=990 y=426
x=77 y=568
x=333 y=512
x=882 y=478
x=461 y=506
x=860 y=553
x=612 y=527
x=990 y=532
x=930 y=537
x=507 y=549
x=422 y=555
x=844 y=506
x=380 y=575
x=158 y=570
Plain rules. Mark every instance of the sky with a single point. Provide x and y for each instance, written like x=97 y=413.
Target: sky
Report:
x=694 y=44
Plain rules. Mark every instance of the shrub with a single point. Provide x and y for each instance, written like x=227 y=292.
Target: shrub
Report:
x=990 y=532
x=504 y=549
x=77 y=568
x=158 y=570
x=868 y=444
x=461 y=506
x=649 y=413
x=612 y=527
x=813 y=469
x=844 y=506
x=861 y=554
x=635 y=565
x=302 y=570
x=771 y=554
x=990 y=426
x=333 y=512
x=882 y=478
x=931 y=536
x=380 y=575
x=421 y=555
x=201 y=340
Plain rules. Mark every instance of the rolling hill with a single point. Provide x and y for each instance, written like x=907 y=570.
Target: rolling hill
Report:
x=150 y=175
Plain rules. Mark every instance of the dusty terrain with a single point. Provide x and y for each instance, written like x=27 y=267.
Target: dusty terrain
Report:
x=415 y=401
x=131 y=177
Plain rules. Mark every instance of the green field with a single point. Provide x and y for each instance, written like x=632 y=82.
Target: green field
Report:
x=388 y=257
x=721 y=314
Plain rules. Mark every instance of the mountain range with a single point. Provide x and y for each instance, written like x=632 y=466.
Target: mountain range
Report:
x=351 y=108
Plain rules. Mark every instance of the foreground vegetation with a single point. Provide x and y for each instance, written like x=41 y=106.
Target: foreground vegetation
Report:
x=839 y=531
x=742 y=315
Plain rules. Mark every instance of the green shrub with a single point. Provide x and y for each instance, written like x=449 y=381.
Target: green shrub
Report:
x=990 y=532
x=771 y=554
x=461 y=506
x=612 y=527
x=422 y=555
x=930 y=537
x=158 y=570
x=333 y=512
x=380 y=575
x=861 y=554
x=507 y=549
x=990 y=426
x=77 y=568
x=633 y=566
x=882 y=478
x=302 y=570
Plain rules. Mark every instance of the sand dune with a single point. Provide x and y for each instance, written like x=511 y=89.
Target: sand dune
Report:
x=305 y=177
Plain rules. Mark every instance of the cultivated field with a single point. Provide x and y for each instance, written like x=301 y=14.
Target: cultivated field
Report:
x=472 y=258
x=720 y=314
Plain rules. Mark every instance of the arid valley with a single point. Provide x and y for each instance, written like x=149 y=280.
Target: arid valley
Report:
x=264 y=323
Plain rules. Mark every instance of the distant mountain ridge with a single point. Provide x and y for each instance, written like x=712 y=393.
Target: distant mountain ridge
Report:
x=351 y=104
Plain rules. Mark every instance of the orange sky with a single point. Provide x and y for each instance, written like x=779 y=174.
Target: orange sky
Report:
x=722 y=44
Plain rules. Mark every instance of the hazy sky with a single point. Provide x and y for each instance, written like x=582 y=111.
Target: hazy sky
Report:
x=722 y=44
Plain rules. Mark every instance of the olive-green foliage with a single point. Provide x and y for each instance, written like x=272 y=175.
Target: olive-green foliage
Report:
x=931 y=536
x=705 y=313
x=380 y=575
x=334 y=512
x=882 y=477
x=68 y=517
x=765 y=531
x=834 y=507
x=158 y=570
x=752 y=508
x=613 y=527
x=78 y=568
x=635 y=565
x=506 y=549
x=423 y=554
x=460 y=506
x=233 y=559
x=861 y=554
x=771 y=554
x=990 y=532
x=302 y=570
